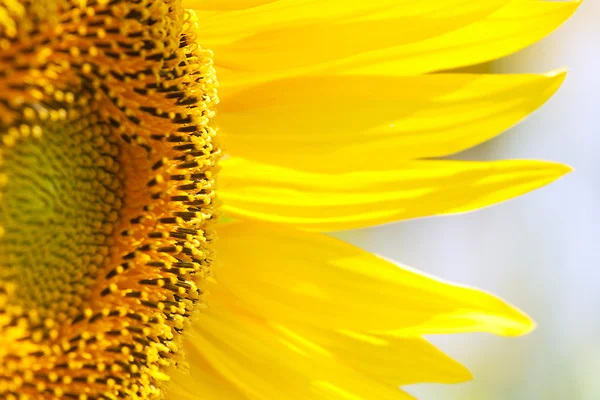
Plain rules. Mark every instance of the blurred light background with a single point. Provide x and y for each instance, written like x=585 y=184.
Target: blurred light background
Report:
x=540 y=252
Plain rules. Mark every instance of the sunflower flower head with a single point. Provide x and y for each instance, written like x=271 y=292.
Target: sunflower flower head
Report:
x=106 y=177
x=333 y=115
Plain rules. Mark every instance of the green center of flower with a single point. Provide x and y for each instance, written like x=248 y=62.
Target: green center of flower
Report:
x=61 y=197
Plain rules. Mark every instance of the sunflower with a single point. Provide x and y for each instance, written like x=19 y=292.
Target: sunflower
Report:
x=127 y=272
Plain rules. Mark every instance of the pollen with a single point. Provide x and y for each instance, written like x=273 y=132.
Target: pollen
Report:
x=107 y=166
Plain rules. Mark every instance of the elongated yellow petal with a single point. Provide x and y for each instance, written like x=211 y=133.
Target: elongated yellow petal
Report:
x=236 y=355
x=395 y=361
x=291 y=37
x=265 y=364
x=512 y=28
x=325 y=124
x=307 y=278
x=490 y=33
x=302 y=24
x=366 y=197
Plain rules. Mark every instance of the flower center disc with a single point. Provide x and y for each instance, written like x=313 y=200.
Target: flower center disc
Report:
x=58 y=211
x=107 y=164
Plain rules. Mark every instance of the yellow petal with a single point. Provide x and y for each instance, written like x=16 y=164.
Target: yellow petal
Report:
x=512 y=28
x=223 y=5
x=408 y=47
x=373 y=360
x=288 y=37
x=297 y=277
x=200 y=381
x=264 y=364
x=366 y=196
x=395 y=361
x=324 y=124
x=303 y=24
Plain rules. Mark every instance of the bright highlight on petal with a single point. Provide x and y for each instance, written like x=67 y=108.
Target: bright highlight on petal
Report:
x=350 y=121
x=262 y=363
x=366 y=197
x=305 y=278
x=391 y=360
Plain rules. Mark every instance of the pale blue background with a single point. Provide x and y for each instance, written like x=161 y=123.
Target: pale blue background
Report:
x=540 y=252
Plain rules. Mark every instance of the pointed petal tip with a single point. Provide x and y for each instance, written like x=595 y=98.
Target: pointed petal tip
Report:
x=468 y=375
x=508 y=320
x=520 y=324
x=558 y=169
x=558 y=73
x=566 y=169
x=557 y=78
x=456 y=372
x=549 y=171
